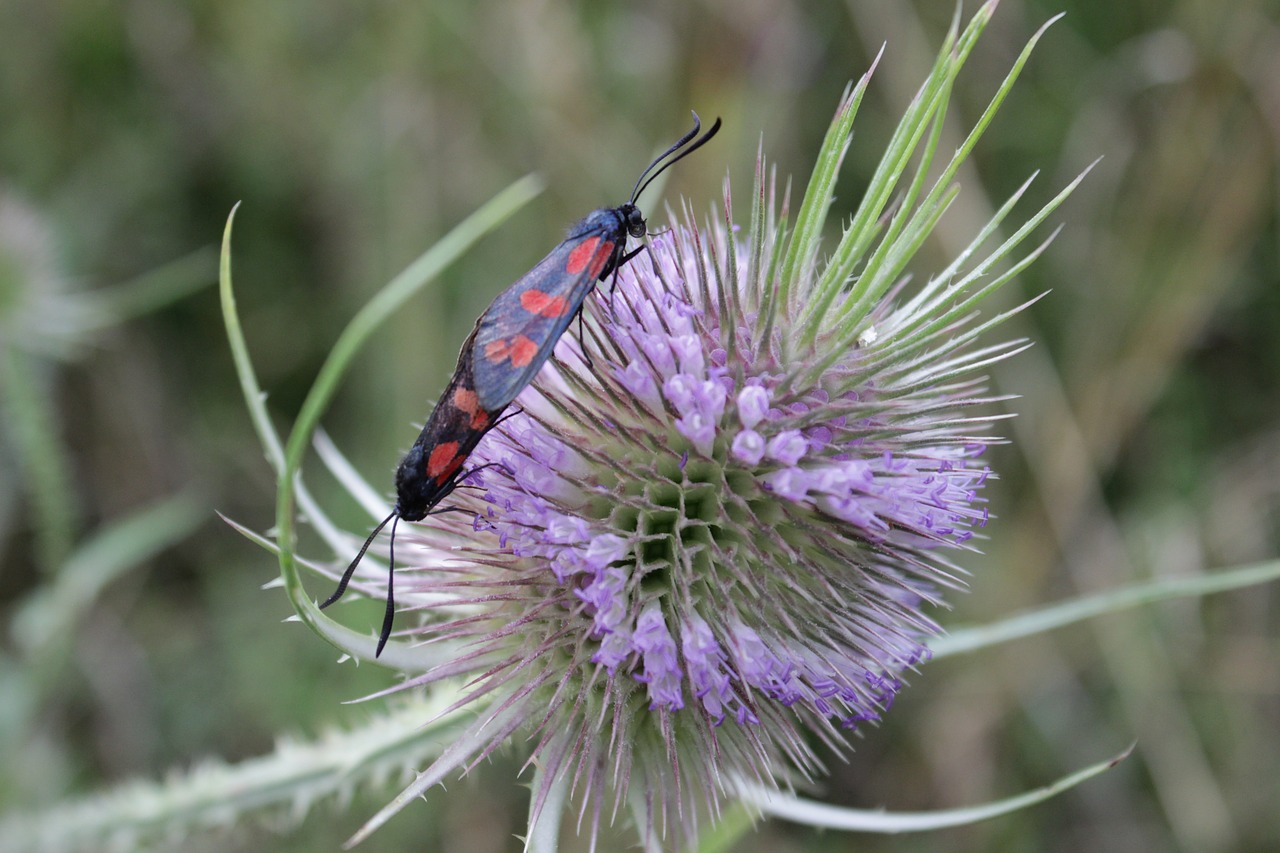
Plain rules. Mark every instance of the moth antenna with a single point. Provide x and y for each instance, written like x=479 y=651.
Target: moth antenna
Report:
x=346 y=576
x=391 y=593
x=642 y=183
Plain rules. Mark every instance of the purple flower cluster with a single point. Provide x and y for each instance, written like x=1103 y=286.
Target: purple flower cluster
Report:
x=695 y=625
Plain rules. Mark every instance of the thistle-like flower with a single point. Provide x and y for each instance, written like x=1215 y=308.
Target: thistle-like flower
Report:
x=715 y=532
x=708 y=540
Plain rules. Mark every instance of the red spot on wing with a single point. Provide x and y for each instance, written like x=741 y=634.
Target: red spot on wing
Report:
x=602 y=257
x=543 y=304
x=468 y=402
x=520 y=349
x=582 y=254
x=590 y=255
x=443 y=461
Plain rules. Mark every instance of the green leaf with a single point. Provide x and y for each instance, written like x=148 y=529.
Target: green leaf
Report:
x=970 y=639
x=156 y=289
x=816 y=814
x=880 y=275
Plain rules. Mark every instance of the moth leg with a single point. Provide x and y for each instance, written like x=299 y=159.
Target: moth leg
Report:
x=582 y=342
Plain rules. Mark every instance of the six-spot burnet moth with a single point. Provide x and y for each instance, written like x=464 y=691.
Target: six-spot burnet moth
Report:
x=511 y=341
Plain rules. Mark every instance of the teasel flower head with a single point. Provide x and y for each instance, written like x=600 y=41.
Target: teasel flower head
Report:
x=716 y=532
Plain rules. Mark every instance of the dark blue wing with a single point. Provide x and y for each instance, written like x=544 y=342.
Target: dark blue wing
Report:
x=516 y=334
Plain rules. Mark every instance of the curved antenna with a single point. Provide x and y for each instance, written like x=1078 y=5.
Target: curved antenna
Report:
x=641 y=182
x=390 y=613
x=346 y=576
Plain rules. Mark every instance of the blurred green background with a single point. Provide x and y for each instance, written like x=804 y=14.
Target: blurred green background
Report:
x=356 y=134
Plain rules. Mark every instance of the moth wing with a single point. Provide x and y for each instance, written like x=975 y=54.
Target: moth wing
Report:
x=517 y=333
